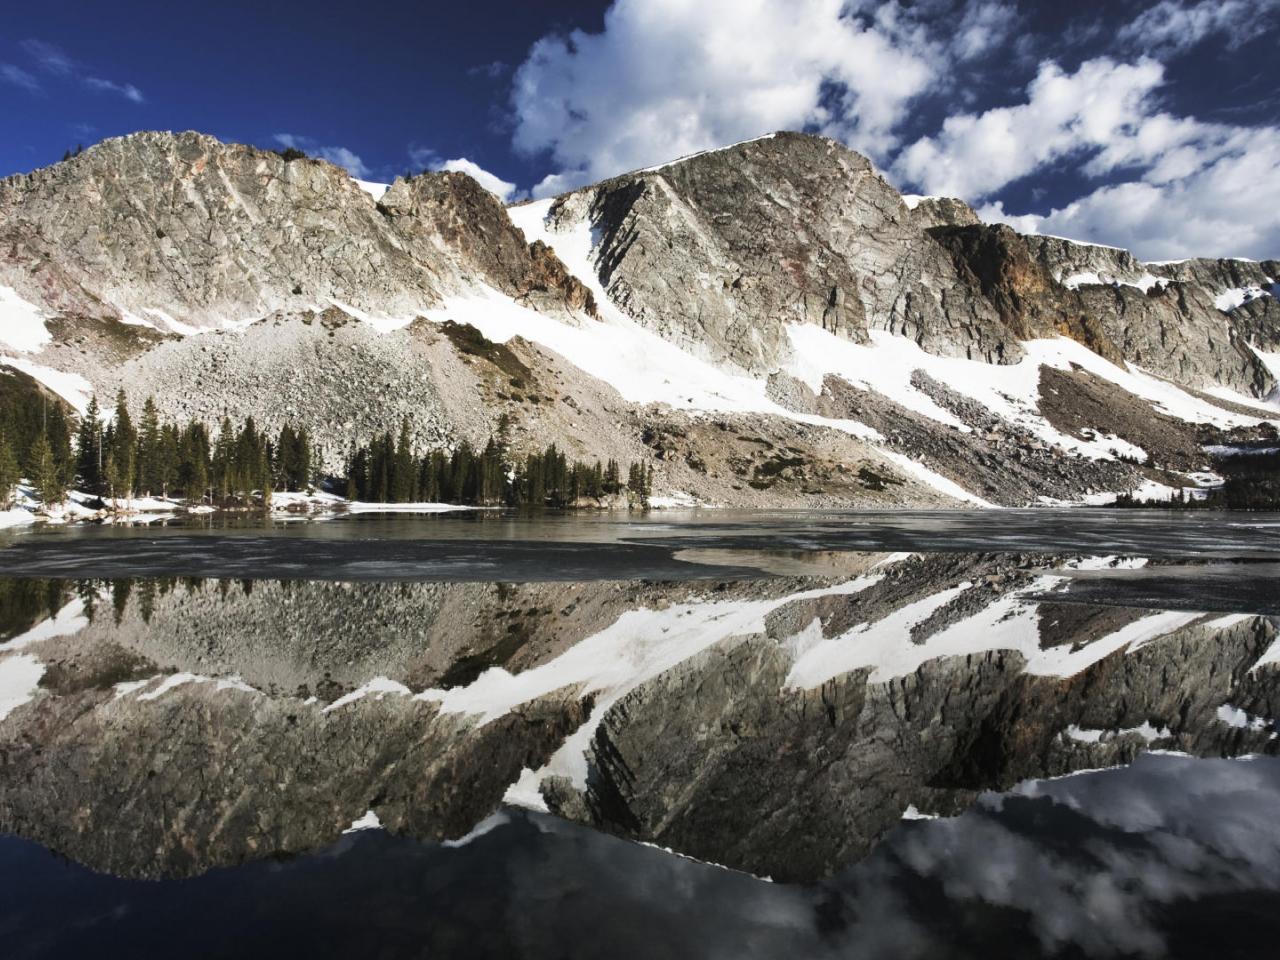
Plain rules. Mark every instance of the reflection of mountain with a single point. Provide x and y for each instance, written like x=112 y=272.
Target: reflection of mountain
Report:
x=777 y=726
x=1168 y=858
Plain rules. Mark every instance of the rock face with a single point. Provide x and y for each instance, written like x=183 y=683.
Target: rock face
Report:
x=721 y=251
x=1027 y=297
x=1175 y=330
x=208 y=232
x=942 y=212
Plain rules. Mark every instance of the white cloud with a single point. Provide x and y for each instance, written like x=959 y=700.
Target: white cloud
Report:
x=983 y=27
x=15 y=75
x=50 y=58
x=1223 y=202
x=423 y=157
x=1172 y=27
x=554 y=184
x=494 y=184
x=670 y=77
x=338 y=156
x=126 y=90
x=56 y=62
x=1064 y=115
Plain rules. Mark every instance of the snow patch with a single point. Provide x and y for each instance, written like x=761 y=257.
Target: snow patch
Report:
x=379 y=686
x=1228 y=300
x=72 y=387
x=913 y=200
x=1239 y=719
x=375 y=190
x=911 y=813
x=19 y=680
x=1145 y=730
x=1145 y=282
x=16 y=517
x=887 y=649
x=487 y=825
x=21 y=324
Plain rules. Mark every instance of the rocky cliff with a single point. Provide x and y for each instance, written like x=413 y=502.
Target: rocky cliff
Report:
x=182 y=227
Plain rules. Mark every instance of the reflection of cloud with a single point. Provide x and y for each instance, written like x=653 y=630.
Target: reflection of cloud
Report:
x=1095 y=861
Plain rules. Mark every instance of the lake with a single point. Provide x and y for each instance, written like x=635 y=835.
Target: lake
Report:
x=975 y=733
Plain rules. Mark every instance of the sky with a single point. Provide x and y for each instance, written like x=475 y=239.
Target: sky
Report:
x=1147 y=124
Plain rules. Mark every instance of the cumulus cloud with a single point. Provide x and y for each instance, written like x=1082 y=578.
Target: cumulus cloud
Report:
x=670 y=77
x=1172 y=27
x=338 y=156
x=1192 y=188
x=1223 y=205
x=1064 y=114
x=984 y=26
x=494 y=184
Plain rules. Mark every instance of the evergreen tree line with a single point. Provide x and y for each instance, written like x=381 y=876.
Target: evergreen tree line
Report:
x=388 y=470
x=124 y=459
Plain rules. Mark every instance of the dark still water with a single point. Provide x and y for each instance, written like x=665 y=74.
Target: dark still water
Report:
x=893 y=735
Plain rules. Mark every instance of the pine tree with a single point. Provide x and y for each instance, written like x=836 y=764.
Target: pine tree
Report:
x=124 y=450
x=403 y=472
x=167 y=458
x=44 y=473
x=222 y=467
x=89 y=450
x=8 y=472
x=193 y=461
x=149 y=480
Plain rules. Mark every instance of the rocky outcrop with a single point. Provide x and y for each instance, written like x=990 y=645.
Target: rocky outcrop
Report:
x=207 y=232
x=1028 y=299
x=203 y=777
x=1066 y=259
x=942 y=212
x=1175 y=331
x=452 y=213
x=719 y=252
x=1220 y=275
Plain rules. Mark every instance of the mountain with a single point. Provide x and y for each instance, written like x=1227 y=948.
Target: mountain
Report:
x=768 y=324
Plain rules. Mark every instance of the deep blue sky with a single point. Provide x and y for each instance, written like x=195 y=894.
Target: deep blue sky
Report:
x=376 y=77
x=404 y=85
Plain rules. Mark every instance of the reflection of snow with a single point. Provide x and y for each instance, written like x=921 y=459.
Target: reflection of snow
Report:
x=369 y=821
x=20 y=676
x=70 y=619
x=636 y=647
x=1145 y=730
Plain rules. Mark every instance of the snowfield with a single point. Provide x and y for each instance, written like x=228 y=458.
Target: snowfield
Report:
x=21 y=325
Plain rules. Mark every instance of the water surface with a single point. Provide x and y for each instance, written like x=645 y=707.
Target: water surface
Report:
x=833 y=735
